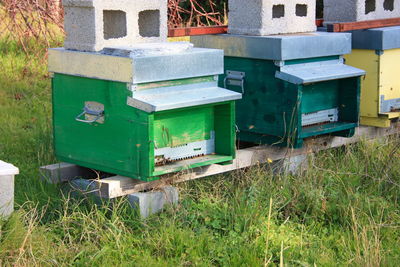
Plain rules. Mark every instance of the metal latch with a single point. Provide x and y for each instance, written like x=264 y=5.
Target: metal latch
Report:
x=235 y=78
x=389 y=105
x=93 y=112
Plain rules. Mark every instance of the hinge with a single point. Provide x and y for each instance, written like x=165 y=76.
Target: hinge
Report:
x=279 y=63
x=132 y=87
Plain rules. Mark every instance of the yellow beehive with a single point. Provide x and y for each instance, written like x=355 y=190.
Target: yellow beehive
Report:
x=377 y=51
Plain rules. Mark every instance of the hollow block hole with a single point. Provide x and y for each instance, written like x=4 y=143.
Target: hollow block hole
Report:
x=149 y=23
x=301 y=10
x=114 y=24
x=388 y=5
x=278 y=11
x=370 y=6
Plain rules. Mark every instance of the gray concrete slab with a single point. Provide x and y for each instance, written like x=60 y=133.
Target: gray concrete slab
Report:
x=144 y=203
x=64 y=172
x=149 y=203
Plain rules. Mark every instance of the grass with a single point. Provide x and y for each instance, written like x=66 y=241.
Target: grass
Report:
x=344 y=210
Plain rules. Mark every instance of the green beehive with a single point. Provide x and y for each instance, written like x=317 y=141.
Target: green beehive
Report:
x=294 y=86
x=141 y=113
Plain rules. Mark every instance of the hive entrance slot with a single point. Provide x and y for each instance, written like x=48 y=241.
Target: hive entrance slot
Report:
x=114 y=24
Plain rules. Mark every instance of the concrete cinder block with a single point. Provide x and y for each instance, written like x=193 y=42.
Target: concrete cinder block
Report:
x=153 y=202
x=64 y=172
x=266 y=17
x=91 y=25
x=7 y=173
x=146 y=204
x=79 y=188
x=291 y=165
x=360 y=10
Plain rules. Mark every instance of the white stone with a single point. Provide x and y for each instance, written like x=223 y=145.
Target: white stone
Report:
x=91 y=25
x=267 y=17
x=360 y=10
x=7 y=173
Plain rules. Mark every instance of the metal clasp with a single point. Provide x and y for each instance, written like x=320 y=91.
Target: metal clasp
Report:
x=93 y=112
x=235 y=78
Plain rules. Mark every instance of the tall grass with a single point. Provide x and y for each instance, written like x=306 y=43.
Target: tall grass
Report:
x=331 y=215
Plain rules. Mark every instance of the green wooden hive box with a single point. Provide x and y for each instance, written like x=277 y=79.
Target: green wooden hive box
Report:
x=142 y=113
x=294 y=86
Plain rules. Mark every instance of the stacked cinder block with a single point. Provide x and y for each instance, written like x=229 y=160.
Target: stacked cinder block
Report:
x=360 y=10
x=266 y=17
x=92 y=25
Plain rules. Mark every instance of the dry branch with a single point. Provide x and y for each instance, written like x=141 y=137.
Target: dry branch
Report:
x=27 y=20
x=42 y=20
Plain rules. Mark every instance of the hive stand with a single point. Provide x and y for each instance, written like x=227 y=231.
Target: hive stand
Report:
x=152 y=197
x=118 y=186
x=144 y=203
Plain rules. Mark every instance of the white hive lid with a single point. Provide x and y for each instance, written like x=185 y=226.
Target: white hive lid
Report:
x=8 y=169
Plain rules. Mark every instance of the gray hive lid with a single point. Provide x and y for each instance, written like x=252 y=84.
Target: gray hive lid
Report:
x=139 y=64
x=377 y=39
x=278 y=47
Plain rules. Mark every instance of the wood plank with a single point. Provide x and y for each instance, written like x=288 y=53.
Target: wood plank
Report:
x=180 y=32
x=361 y=25
x=192 y=31
x=120 y=186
